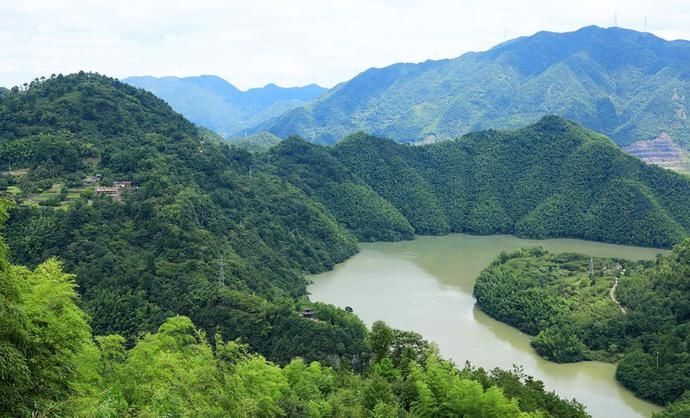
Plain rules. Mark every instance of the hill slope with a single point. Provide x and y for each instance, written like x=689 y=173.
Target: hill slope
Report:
x=257 y=142
x=628 y=85
x=550 y=179
x=213 y=103
x=156 y=251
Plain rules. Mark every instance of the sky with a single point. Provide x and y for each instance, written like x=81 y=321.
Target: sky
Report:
x=288 y=42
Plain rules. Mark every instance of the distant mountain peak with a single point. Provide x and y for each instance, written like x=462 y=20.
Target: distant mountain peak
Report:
x=626 y=84
x=215 y=104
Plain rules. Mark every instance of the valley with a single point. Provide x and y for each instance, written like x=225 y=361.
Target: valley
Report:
x=214 y=236
x=344 y=209
x=426 y=285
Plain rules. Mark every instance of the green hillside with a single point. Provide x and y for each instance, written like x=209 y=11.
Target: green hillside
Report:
x=628 y=85
x=52 y=365
x=296 y=209
x=195 y=202
x=551 y=179
x=633 y=313
x=258 y=142
x=140 y=262
x=320 y=175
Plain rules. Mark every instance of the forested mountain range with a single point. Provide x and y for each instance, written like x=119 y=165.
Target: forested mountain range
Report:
x=550 y=179
x=628 y=85
x=224 y=236
x=206 y=231
x=213 y=103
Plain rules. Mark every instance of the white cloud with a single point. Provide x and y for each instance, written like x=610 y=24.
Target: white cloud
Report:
x=251 y=43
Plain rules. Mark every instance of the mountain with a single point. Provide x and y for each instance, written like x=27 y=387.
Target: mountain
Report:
x=163 y=227
x=213 y=103
x=153 y=249
x=628 y=85
x=551 y=179
x=297 y=208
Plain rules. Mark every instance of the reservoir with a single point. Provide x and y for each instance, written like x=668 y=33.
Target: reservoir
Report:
x=426 y=286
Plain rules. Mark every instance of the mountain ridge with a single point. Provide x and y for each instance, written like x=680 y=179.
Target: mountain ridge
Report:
x=214 y=103
x=639 y=89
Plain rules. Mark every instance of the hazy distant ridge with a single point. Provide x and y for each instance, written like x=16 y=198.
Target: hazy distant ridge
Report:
x=629 y=85
x=213 y=103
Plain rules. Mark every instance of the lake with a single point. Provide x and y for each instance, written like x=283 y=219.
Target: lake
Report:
x=426 y=286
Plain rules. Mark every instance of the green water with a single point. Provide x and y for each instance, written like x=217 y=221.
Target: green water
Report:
x=426 y=285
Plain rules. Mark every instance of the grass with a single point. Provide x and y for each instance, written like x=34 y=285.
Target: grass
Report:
x=13 y=190
x=53 y=193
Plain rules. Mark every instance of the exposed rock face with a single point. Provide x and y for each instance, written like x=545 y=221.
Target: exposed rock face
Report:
x=661 y=151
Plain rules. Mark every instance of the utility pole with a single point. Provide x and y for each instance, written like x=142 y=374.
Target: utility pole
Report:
x=221 y=272
x=591 y=267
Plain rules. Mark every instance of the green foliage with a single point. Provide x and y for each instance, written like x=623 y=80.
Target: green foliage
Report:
x=52 y=367
x=269 y=218
x=559 y=343
x=380 y=339
x=575 y=317
x=677 y=409
x=389 y=169
x=259 y=142
x=45 y=340
x=156 y=253
x=363 y=211
x=550 y=179
x=529 y=392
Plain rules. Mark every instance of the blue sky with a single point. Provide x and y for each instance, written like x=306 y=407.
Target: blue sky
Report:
x=253 y=42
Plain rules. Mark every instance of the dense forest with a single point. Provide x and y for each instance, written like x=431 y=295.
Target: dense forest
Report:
x=156 y=252
x=319 y=174
x=582 y=308
x=53 y=366
x=551 y=179
x=154 y=220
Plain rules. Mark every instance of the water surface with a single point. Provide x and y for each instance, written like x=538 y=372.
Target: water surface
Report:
x=426 y=285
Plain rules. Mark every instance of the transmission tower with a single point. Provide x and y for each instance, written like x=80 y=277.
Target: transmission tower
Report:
x=221 y=271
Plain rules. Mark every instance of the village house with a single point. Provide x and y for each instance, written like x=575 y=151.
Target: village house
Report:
x=116 y=190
